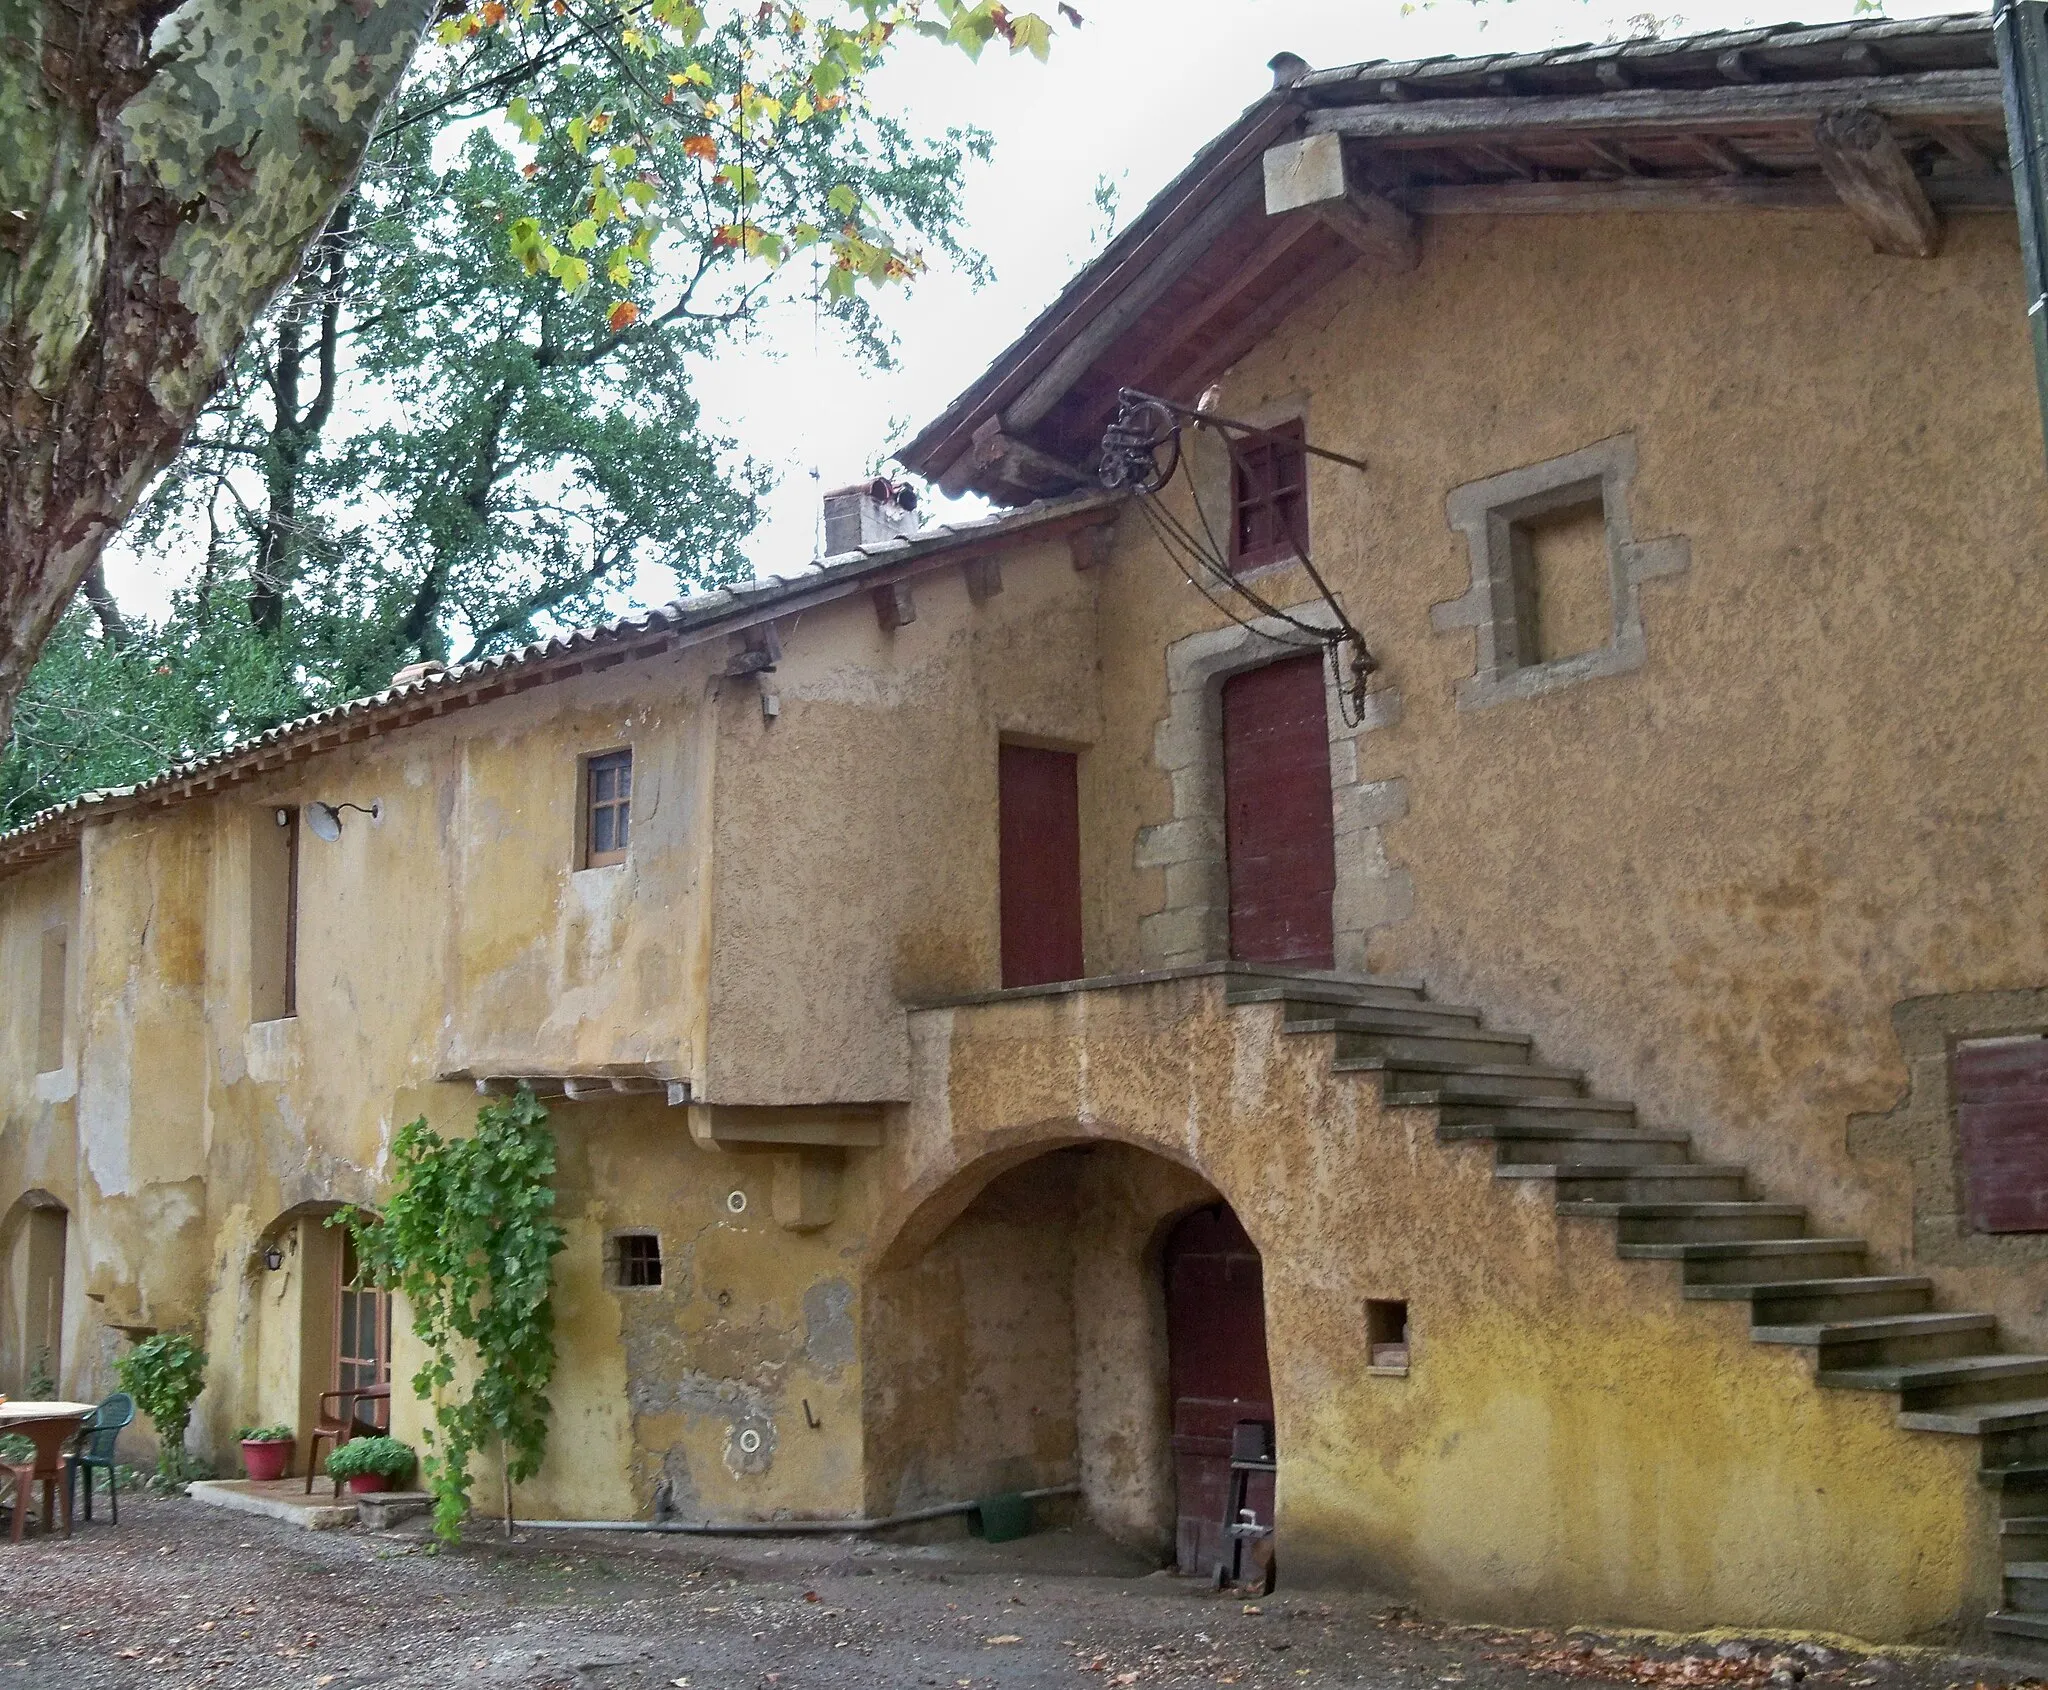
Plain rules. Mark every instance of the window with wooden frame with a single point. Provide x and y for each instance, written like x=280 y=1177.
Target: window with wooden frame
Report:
x=1268 y=497
x=607 y=807
x=636 y=1260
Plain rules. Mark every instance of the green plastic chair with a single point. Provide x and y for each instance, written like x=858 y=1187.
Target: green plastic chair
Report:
x=94 y=1447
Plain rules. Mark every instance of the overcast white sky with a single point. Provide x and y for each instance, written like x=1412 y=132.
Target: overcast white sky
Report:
x=1131 y=95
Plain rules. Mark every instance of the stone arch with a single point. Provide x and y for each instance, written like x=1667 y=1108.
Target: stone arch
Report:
x=33 y=1244
x=296 y=1312
x=1015 y=1328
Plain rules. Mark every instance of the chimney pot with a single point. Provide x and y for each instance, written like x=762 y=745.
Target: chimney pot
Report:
x=1288 y=69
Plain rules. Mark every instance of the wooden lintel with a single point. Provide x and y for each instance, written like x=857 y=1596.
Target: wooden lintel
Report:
x=1701 y=193
x=1312 y=176
x=1611 y=154
x=1192 y=328
x=1237 y=197
x=725 y=1126
x=894 y=605
x=1719 y=154
x=984 y=578
x=1967 y=96
x=1876 y=181
x=1001 y=456
x=760 y=650
x=1090 y=547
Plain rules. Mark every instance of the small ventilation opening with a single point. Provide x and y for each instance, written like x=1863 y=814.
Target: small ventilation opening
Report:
x=637 y=1260
x=1386 y=1334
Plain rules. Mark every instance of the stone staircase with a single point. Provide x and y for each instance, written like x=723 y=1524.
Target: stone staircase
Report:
x=1866 y=1331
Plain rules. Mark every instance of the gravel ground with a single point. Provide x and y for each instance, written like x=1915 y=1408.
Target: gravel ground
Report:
x=182 y=1594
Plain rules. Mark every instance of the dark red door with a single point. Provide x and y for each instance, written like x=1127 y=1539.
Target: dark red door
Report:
x=1277 y=824
x=1216 y=1368
x=2002 y=1121
x=1041 y=865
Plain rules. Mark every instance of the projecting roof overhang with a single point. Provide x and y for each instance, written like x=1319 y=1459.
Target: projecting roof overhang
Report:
x=1901 y=123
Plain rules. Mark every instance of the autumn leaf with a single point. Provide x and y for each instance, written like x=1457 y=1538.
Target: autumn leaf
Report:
x=493 y=13
x=700 y=147
x=623 y=315
x=1073 y=17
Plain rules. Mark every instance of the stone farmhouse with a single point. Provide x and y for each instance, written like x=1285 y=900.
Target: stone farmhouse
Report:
x=1029 y=1003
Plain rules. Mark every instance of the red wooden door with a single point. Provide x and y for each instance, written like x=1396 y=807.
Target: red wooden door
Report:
x=2002 y=1122
x=1278 y=829
x=1216 y=1369
x=1041 y=865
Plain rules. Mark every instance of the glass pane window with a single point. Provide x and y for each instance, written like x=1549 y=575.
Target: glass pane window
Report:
x=608 y=808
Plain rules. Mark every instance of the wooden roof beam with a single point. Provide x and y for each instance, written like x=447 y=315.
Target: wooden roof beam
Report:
x=1873 y=177
x=1311 y=175
x=1956 y=96
x=1283 y=247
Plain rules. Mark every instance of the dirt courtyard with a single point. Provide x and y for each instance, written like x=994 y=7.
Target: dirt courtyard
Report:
x=181 y=1594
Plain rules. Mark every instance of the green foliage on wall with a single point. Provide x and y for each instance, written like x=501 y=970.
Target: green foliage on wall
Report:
x=468 y=1237
x=165 y=1374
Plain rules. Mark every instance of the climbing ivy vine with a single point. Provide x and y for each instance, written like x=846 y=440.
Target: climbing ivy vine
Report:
x=468 y=1237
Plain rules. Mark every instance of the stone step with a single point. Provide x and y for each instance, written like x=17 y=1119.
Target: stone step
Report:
x=1459 y=1079
x=2009 y=1428
x=1555 y=1146
x=1466 y=1111
x=1800 y=1302
x=1393 y=1033
x=1759 y=1261
x=2004 y=1623
x=1887 y=1340
x=2023 y=1537
x=2026 y=1587
x=1693 y=1223
x=1957 y=1382
x=1320 y=997
x=1666 y=1182
x=2022 y=1486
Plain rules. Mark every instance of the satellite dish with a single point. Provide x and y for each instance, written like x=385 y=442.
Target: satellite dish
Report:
x=325 y=821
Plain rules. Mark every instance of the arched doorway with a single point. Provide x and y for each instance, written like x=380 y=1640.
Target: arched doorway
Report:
x=322 y=1326
x=1072 y=1316
x=32 y=1243
x=1222 y=1390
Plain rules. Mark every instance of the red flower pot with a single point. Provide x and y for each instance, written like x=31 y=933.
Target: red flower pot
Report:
x=268 y=1459
x=361 y=1482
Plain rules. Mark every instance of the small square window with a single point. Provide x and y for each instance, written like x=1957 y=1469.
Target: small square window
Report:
x=1268 y=497
x=636 y=1261
x=1386 y=1335
x=607 y=808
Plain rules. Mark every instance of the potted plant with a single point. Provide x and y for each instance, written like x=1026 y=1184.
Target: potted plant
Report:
x=371 y=1464
x=267 y=1450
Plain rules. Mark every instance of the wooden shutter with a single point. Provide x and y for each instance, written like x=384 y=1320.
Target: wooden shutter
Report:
x=1278 y=827
x=1041 y=865
x=1268 y=498
x=2001 y=1089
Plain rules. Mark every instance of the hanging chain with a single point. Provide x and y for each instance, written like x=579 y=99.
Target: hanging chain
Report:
x=1142 y=451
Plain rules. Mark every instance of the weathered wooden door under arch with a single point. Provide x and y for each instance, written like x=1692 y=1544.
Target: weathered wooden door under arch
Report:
x=1217 y=1375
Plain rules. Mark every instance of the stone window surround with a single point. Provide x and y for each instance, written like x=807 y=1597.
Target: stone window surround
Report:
x=1921 y=1128
x=1194 y=924
x=1486 y=512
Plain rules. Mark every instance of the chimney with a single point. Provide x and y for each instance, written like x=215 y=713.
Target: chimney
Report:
x=867 y=512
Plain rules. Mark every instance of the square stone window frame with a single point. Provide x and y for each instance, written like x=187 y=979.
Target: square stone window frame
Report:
x=1193 y=925
x=1487 y=513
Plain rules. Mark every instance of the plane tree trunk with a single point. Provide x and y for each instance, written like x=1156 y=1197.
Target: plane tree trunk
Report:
x=162 y=168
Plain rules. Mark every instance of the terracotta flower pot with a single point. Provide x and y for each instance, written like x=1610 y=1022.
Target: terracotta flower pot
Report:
x=361 y=1482
x=267 y=1459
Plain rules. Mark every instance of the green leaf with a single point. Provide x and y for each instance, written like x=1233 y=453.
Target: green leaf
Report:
x=583 y=236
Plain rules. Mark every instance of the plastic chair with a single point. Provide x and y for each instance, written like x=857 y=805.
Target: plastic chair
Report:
x=47 y=1467
x=94 y=1447
x=344 y=1420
